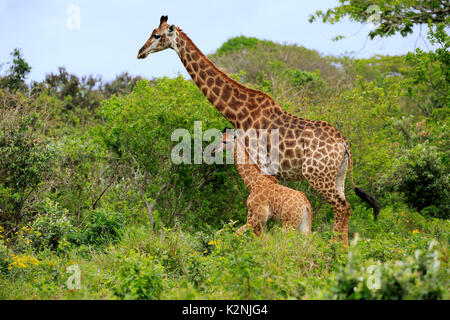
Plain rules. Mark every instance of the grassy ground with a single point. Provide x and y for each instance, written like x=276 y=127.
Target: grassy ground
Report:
x=383 y=263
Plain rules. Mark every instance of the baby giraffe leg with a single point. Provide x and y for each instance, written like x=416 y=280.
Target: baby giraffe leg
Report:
x=256 y=220
x=297 y=219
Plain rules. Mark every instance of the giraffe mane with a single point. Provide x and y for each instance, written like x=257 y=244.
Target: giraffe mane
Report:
x=234 y=82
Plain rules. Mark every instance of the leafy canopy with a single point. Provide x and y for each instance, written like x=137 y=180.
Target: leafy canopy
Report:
x=394 y=15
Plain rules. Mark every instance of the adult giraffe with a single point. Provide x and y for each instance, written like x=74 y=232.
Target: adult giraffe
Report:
x=311 y=149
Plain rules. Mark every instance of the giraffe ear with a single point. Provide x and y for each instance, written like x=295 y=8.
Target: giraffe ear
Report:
x=163 y=19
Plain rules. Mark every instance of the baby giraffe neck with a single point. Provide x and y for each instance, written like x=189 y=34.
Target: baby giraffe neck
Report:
x=246 y=168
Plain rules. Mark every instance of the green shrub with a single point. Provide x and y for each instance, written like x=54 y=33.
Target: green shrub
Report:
x=138 y=276
x=417 y=277
x=14 y=80
x=101 y=227
x=138 y=131
x=277 y=265
x=51 y=227
x=240 y=43
x=424 y=181
x=4 y=257
x=25 y=161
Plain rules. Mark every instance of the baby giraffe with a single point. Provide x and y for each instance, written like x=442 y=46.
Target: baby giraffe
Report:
x=267 y=199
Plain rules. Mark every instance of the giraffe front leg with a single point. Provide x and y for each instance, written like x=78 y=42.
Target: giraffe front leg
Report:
x=259 y=219
x=257 y=229
x=247 y=225
x=256 y=220
x=242 y=229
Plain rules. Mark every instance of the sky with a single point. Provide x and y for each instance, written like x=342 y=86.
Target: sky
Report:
x=104 y=41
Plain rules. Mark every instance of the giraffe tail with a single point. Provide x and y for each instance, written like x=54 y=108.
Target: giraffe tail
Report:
x=364 y=196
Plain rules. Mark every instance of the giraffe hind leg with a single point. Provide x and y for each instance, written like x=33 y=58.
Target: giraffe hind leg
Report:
x=306 y=221
x=340 y=178
x=297 y=219
x=336 y=198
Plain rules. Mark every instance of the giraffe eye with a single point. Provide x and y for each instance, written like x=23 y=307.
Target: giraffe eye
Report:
x=157 y=36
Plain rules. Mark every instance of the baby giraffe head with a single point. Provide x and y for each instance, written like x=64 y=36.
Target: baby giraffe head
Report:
x=162 y=38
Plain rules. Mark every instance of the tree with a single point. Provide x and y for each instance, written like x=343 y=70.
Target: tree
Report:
x=25 y=161
x=18 y=71
x=393 y=16
x=138 y=132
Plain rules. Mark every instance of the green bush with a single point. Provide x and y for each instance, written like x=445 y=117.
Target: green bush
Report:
x=25 y=161
x=14 y=80
x=417 y=277
x=101 y=227
x=138 y=132
x=423 y=179
x=138 y=276
x=4 y=257
x=240 y=43
x=52 y=226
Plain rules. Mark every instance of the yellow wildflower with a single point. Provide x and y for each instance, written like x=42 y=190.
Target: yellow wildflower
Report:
x=415 y=231
x=215 y=242
x=23 y=262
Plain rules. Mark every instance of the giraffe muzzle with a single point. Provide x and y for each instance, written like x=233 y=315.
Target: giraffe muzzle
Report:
x=142 y=54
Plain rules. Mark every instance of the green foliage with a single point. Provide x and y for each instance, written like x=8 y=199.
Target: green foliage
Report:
x=81 y=97
x=25 y=161
x=383 y=70
x=240 y=43
x=138 y=277
x=138 y=131
x=4 y=258
x=101 y=227
x=256 y=57
x=52 y=226
x=82 y=177
x=417 y=277
x=394 y=16
x=287 y=77
x=429 y=79
x=122 y=84
x=14 y=80
x=423 y=179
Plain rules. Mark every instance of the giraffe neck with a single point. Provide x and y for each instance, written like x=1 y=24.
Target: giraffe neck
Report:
x=247 y=169
x=238 y=104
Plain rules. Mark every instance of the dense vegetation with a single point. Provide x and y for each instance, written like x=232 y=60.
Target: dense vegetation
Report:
x=86 y=180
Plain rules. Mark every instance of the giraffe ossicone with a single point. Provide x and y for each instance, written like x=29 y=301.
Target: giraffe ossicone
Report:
x=309 y=149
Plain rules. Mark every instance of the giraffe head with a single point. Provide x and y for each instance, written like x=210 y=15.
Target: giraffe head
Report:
x=161 y=38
